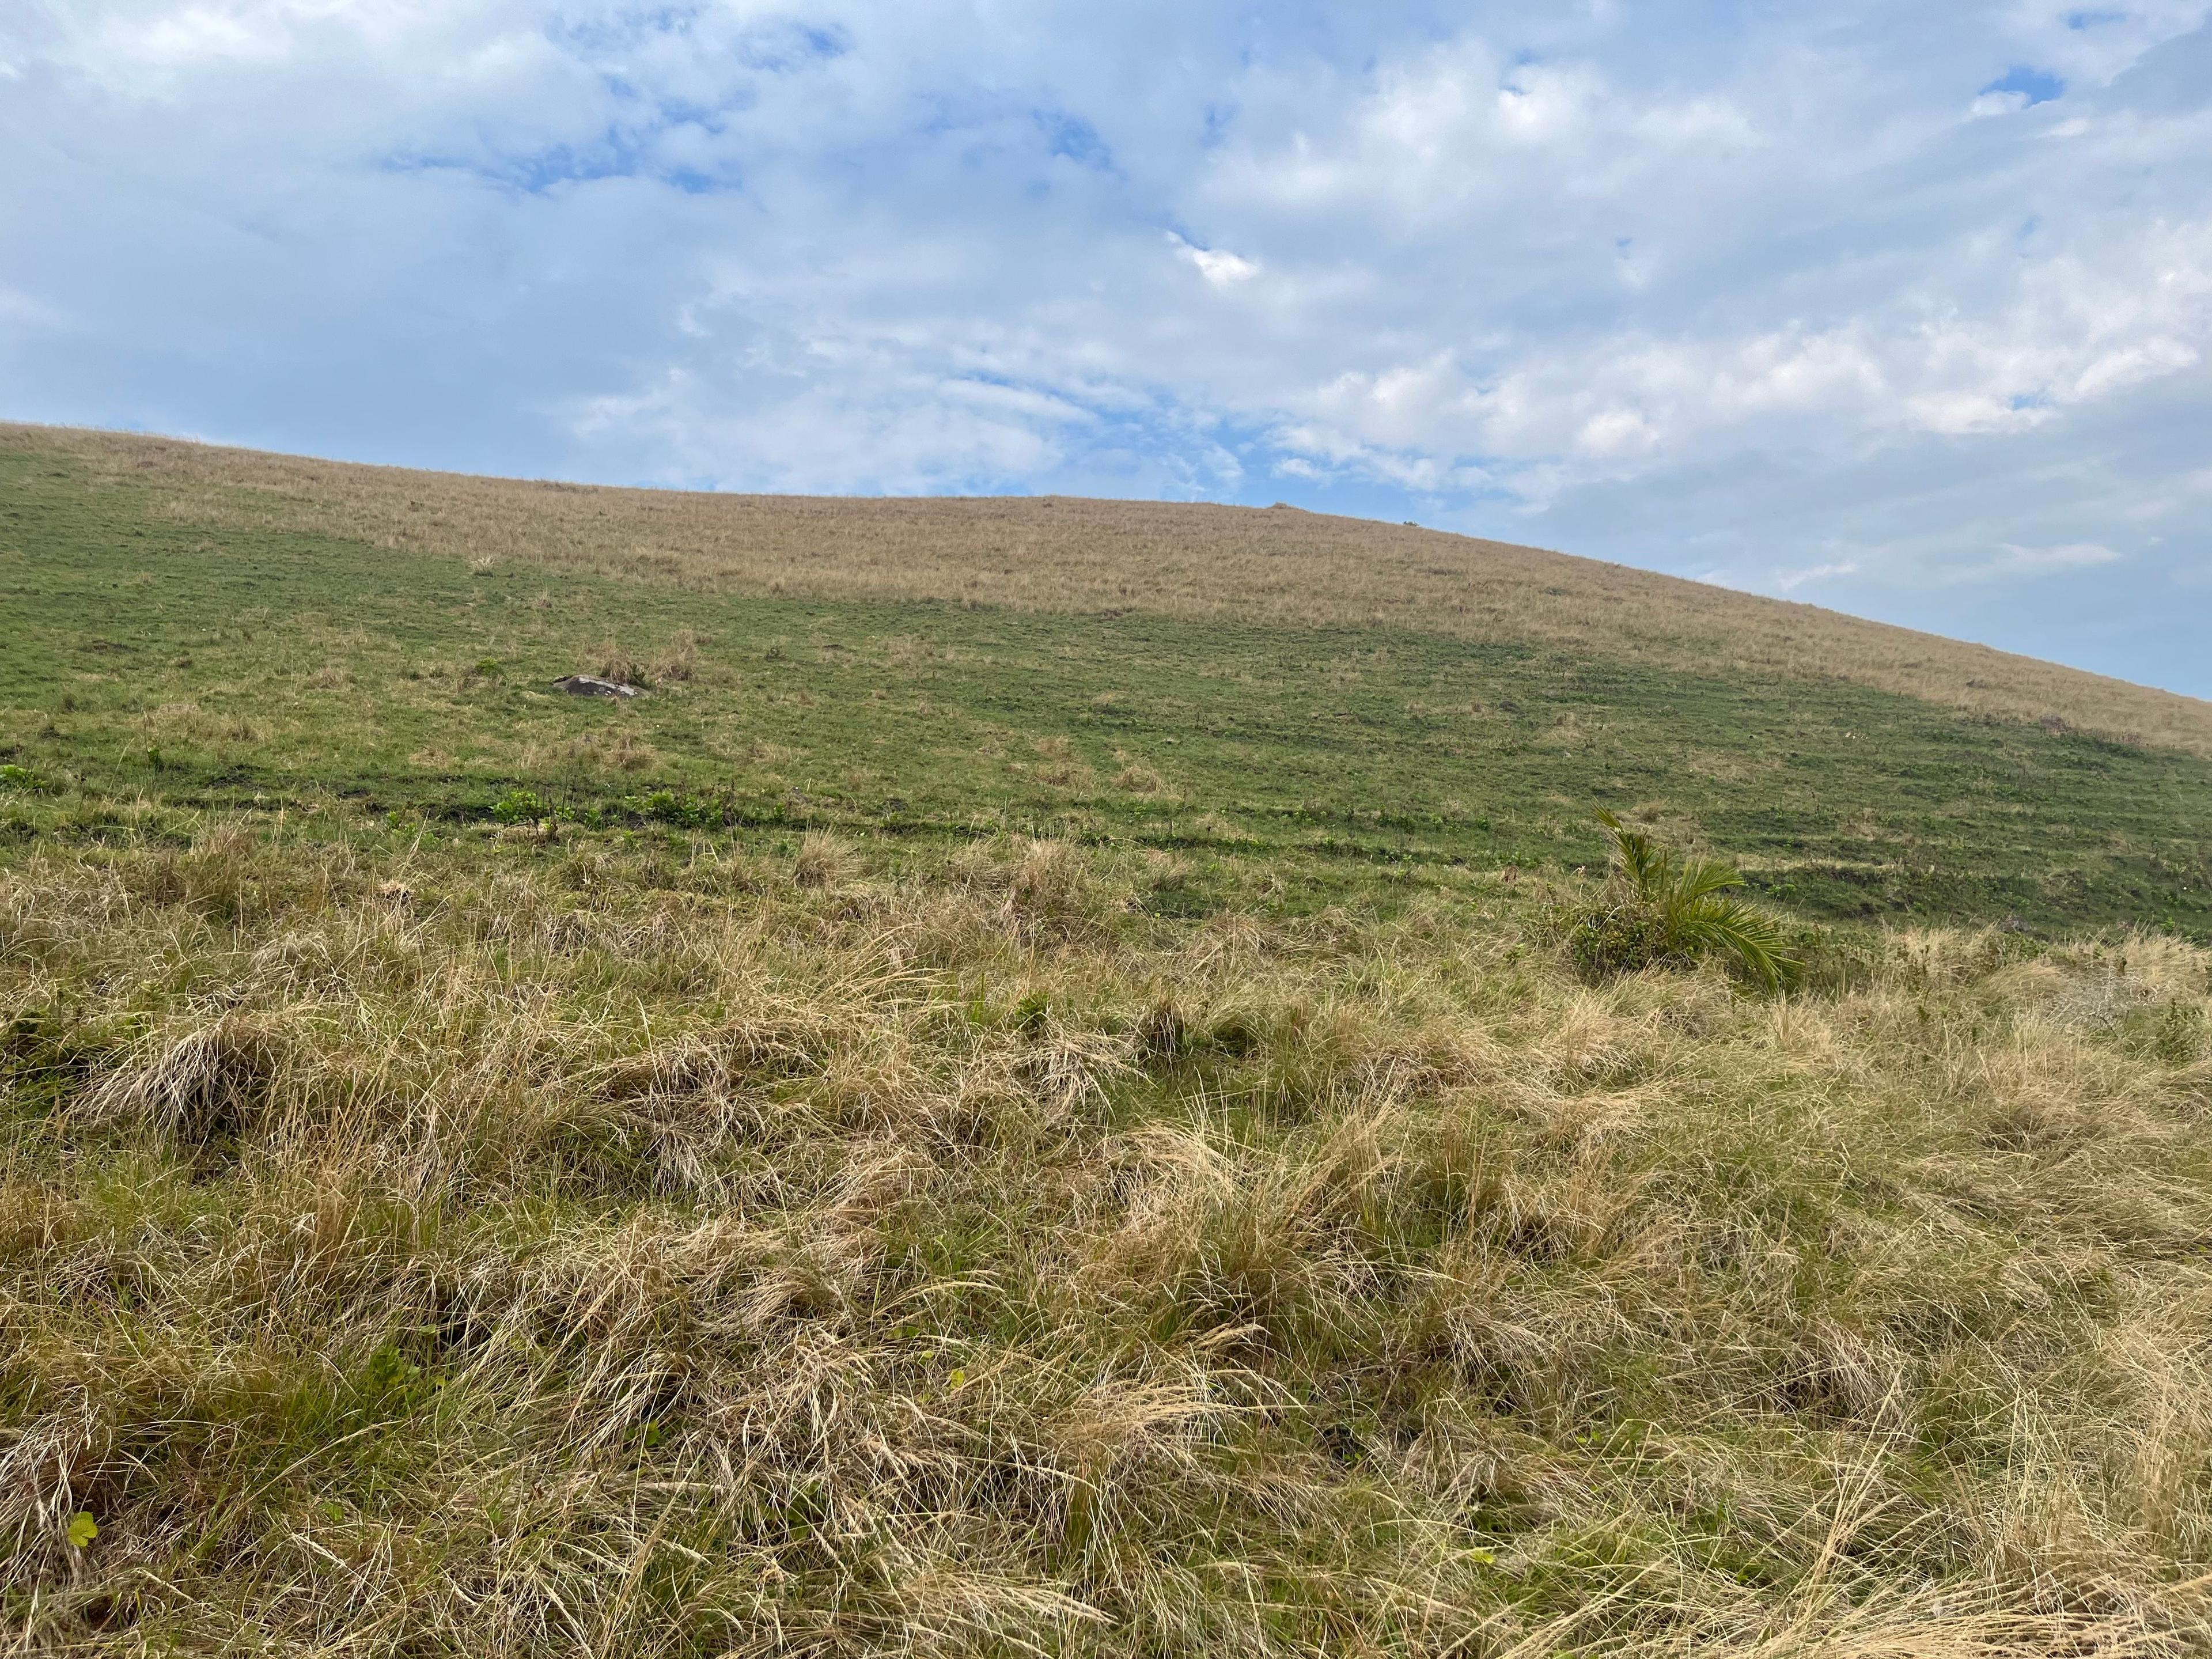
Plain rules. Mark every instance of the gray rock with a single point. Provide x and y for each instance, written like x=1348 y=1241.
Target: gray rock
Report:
x=591 y=685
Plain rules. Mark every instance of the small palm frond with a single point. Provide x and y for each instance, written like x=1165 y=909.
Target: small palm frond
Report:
x=1685 y=907
x=1735 y=929
x=1636 y=857
x=1700 y=878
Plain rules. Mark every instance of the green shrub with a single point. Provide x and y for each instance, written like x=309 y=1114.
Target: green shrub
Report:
x=1613 y=936
x=687 y=812
x=1662 y=908
x=519 y=806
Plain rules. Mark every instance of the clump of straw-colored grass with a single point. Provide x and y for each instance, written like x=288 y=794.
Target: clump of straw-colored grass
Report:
x=589 y=1253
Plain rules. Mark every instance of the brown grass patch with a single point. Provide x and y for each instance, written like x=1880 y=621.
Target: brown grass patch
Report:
x=470 y=1249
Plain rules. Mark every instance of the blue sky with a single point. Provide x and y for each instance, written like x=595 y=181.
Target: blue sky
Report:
x=1901 y=308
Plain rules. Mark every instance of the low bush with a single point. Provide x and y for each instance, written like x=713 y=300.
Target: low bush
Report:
x=1660 y=907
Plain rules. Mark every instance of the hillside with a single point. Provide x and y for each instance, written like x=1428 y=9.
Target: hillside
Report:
x=976 y=1120
x=1205 y=563
x=1351 y=698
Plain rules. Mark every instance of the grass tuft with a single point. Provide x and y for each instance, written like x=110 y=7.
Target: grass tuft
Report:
x=608 y=1245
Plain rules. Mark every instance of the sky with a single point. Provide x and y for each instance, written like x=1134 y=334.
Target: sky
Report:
x=1897 y=307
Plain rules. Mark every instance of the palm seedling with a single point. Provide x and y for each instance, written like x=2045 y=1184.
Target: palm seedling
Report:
x=1665 y=906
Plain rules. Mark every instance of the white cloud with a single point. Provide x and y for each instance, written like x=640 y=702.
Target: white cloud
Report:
x=2050 y=336
x=2092 y=41
x=1790 y=581
x=25 y=311
x=1218 y=265
x=2014 y=560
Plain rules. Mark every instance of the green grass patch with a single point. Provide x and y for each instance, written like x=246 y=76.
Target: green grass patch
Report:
x=150 y=659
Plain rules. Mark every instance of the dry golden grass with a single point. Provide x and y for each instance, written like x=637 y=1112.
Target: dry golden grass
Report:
x=608 y=1247
x=1057 y=554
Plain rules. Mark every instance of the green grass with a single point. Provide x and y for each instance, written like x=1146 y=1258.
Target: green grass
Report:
x=147 y=659
x=485 y=1172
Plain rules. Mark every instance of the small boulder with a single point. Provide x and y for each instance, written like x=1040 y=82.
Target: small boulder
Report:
x=591 y=685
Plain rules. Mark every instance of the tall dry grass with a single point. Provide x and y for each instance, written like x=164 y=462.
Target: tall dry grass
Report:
x=1060 y=554
x=589 y=1247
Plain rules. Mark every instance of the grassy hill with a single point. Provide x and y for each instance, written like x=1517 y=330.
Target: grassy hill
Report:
x=993 y=1114
x=1356 y=700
